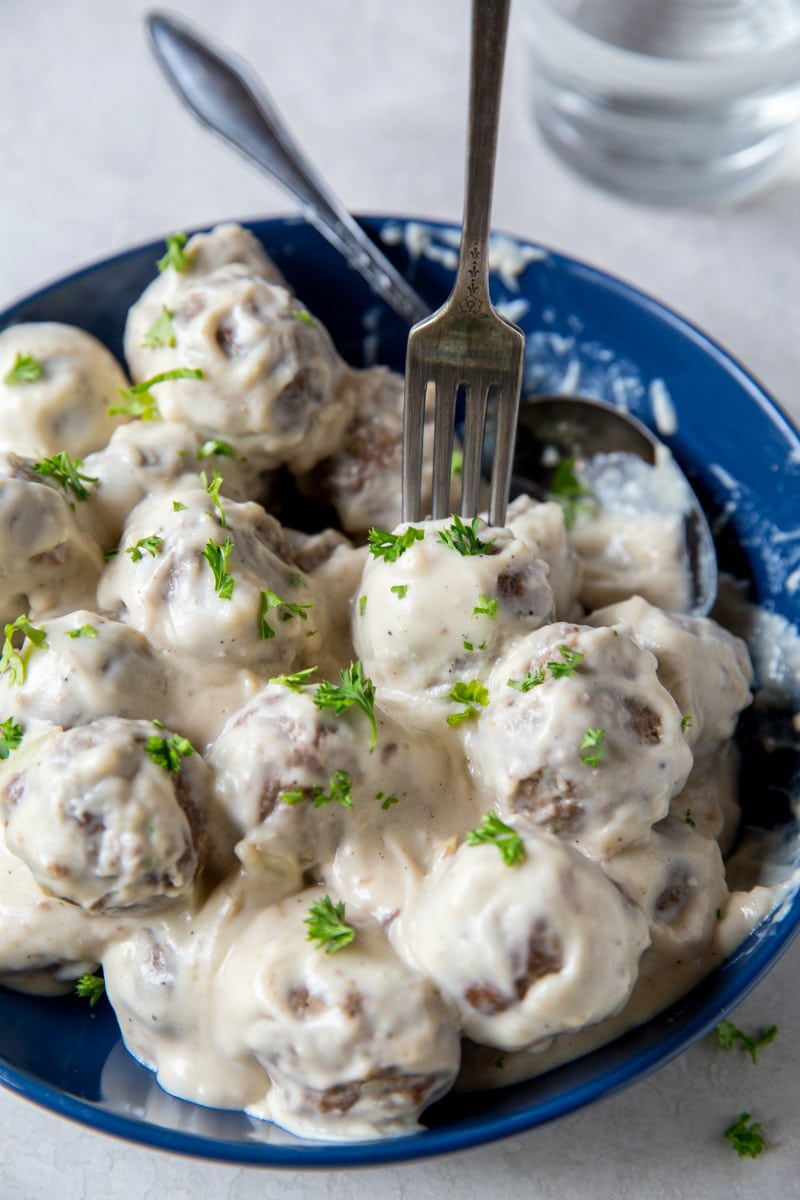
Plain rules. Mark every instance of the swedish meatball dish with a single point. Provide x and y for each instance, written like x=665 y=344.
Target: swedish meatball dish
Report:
x=338 y=818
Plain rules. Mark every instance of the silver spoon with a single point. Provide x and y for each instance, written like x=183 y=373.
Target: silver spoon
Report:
x=226 y=96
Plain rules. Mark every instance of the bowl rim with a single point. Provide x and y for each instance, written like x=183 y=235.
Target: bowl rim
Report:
x=754 y=957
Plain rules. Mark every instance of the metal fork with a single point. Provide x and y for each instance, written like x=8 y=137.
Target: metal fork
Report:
x=466 y=343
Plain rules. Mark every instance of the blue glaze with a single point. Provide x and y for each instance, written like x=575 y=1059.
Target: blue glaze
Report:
x=69 y=1058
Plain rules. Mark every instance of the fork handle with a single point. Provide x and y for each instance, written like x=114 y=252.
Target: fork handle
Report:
x=489 y=26
x=224 y=95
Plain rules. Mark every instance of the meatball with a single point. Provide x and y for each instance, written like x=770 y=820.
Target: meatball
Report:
x=64 y=405
x=215 y=581
x=107 y=815
x=709 y=800
x=356 y=1043
x=706 y=669
x=580 y=738
x=541 y=526
x=526 y=951
x=271 y=382
x=433 y=617
x=149 y=456
x=335 y=566
x=47 y=565
x=93 y=667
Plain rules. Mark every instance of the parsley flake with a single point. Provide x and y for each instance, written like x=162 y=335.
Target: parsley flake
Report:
x=494 y=831
x=391 y=546
x=593 y=747
x=214 y=446
x=338 y=792
x=485 y=607
x=26 y=369
x=11 y=734
x=689 y=819
x=531 y=680
x=472 y=695
x=91 y=988
x=150 y=545
x=295 y=681
x=456 y=462
x=400 y=590
x=464 y=538
x=354 y=689
x=302 y=314
x=747 y=1140
x=66 y=472
x=568 y=491
x=168 y=752
x=569 y=661
x=326 y=926
x=387 y=801
x=178 y=506
x=83 y=631
x=212 y=486
x=174 y=256
x=271 y=600
x=362 y=605
x=161 y=332
x=728 y=1036
x=11 y=659
x=686 y=721
x=217 y=559
x=138 y=401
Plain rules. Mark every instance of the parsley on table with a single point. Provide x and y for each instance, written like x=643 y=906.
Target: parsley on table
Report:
x=326 y=926
x=271 y=600
x=464 y=538
x=168 y=752
x=391 y=546
x=68 y=473
x=569 y=492
x=11 y=659
x=161 y=332
x=354 y=689
x=91 y=988
x=493 y=831
x=217 y=559
x=728 y=1036
x=175 y=255
x=593 y=747
x=472 y=695
x=747 y=1140
x=26 y=369
x=11 y=734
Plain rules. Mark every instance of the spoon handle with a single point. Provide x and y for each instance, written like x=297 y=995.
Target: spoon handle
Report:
x=226 y=96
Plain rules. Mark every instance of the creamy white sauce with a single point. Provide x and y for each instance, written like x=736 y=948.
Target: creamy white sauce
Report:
x=193 y=886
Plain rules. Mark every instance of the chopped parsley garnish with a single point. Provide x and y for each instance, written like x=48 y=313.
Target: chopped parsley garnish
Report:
x=161 y=332
x=686 y=721
x=569 y=661
x=464 y=538
x=391 y=546
x=338 y=792
x=66 y=472
x=728 y=1036
x=295 y=681
x=296 y=580
x=217 y=559
x=87 y=631
x=271 y=600
x=387 y=801
x=168 y=752
x=174 y=256
x=471 y=645
x=593 y=747
x=689 y=819
x=302 y=314
x=178 y=506
x=11 y=734
x=485 y=607
x=354 y=689
x=456 y=462
x=747 y=1140
x=567 y=490
x=531 y=680
x=326 y=925
x=212 y=486
x=138 y=401
x=400 y=590
x=147 y=545
x=11 y=659
x=472 y=695
x=215 y=446
x=494 y=831
x=91 y=988
x=26 y=369
x=362 y=605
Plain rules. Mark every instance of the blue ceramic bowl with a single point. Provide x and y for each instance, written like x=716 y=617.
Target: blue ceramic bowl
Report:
x=596 y=335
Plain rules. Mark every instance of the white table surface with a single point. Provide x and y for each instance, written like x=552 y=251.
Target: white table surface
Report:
x=95 y=154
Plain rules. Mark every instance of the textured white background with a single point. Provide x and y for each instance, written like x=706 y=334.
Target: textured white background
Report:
x=95 y=154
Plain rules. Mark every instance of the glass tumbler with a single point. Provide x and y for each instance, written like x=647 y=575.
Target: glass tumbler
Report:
x=667 y=101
